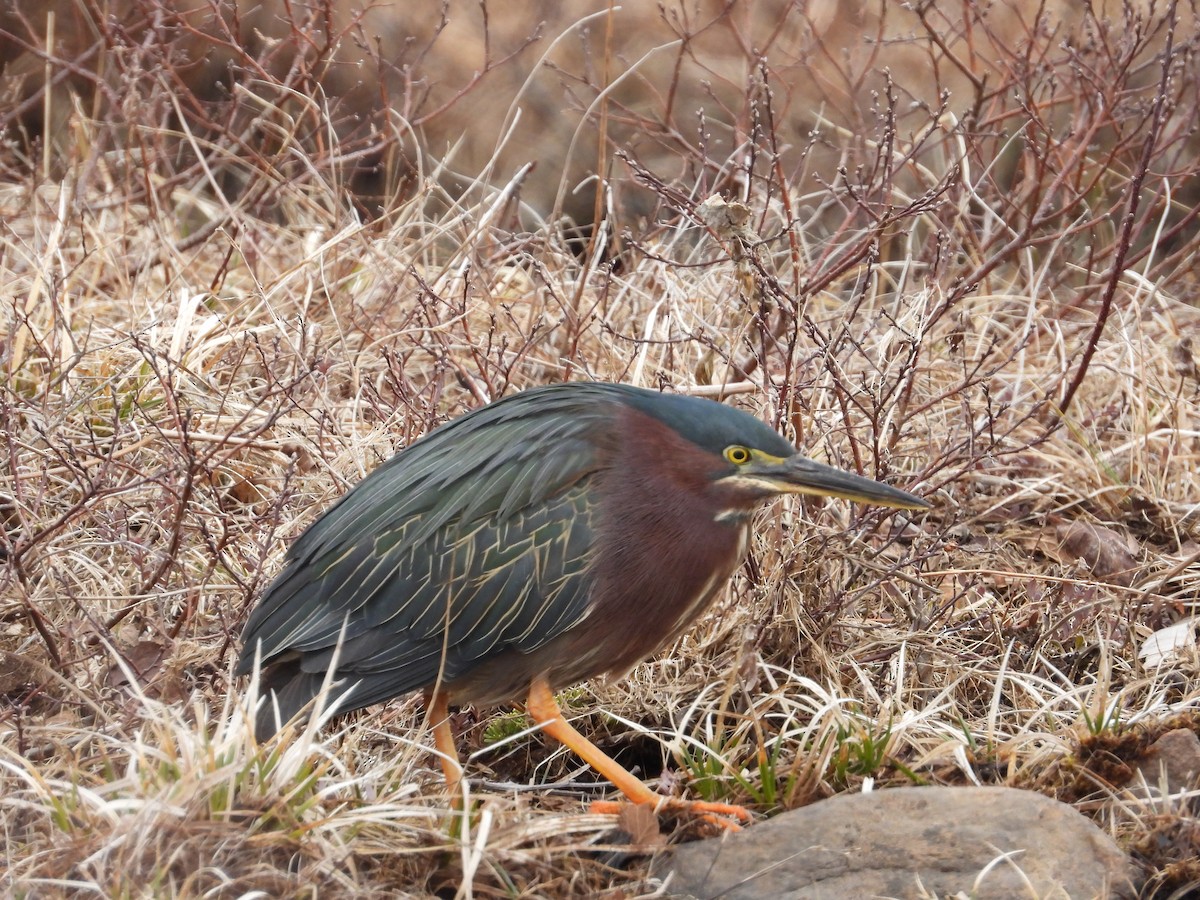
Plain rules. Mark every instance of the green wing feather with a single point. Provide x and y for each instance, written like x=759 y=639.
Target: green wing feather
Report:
x=474 y=540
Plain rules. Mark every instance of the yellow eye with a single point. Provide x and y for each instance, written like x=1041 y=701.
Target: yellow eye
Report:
x=739 y=456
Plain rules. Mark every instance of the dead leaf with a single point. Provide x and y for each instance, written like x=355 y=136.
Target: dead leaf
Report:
x=727 y=219
x=15 y=673
x=1103 y=550
x=144 y=659
x=1183 y=360
x=639 y=821
x=1170 y=643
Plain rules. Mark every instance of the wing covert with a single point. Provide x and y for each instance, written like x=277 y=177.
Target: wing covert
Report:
x=471 y=541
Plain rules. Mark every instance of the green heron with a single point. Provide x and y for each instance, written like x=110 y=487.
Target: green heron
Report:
x=561 y=533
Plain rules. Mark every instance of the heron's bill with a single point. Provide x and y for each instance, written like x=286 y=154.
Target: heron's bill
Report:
x=800 y=475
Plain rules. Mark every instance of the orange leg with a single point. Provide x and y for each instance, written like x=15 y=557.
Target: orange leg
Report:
x=438 y=711
x=544 y=710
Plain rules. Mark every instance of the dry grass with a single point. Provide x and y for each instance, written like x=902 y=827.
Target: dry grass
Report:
x=204 y=343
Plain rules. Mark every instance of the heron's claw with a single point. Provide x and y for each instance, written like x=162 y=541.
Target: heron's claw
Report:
x=724 y=815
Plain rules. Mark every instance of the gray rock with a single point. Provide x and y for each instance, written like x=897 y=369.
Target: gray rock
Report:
x=986 y=842
x=1173 y=763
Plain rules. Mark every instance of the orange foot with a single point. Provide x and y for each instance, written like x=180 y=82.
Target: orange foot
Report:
x=723 y=815
x=545 y=712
